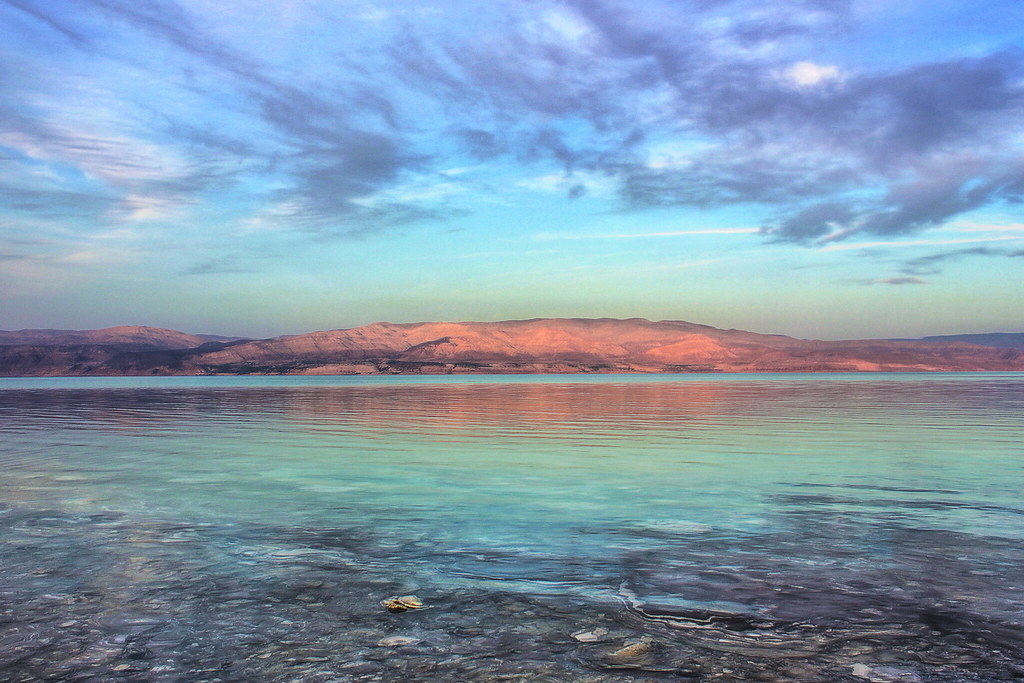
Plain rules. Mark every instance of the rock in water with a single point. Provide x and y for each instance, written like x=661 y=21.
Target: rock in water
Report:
x=590 y=636
x=631 y=653
x=886 y=674
x=397 y=641
x=401 y=604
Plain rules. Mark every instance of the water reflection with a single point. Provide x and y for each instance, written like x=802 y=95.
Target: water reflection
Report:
x=717 y=530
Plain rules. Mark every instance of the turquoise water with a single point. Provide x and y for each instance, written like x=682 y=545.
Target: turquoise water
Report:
x=728 y=527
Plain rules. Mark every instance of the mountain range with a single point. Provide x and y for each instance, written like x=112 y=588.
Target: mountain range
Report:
x=543 y=345
x=1000 y=340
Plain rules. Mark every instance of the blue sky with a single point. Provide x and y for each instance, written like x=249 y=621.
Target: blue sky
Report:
x=820 y=168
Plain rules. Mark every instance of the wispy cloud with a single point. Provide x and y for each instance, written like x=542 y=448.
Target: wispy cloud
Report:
x=916 y=243
x=902 y=280
x=216 y=266
x=550 y=236
x=933 y=264
x=320 y=150
x=977 y=226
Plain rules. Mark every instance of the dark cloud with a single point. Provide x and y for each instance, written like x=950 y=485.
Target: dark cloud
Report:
x=332 y=161
x=480 y=143
x=815 y=221
x=767 y=31
x=883 y=153
x=941 y=190
x=928 y=107
x=709 y=182
x=210 y=139
x=932 y=263
x=932 y=199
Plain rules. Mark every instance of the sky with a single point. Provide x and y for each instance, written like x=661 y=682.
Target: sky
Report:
x=820 y=168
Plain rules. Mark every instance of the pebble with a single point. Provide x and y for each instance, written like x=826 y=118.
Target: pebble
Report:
x=397 y=641
x=401 y=604
x=630 y=652
x=885 y=674
x=590 y=636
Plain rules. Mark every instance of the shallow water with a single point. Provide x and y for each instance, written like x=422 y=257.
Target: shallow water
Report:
x=735 y=527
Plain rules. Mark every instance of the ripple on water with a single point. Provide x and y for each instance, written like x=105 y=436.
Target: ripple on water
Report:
x=738 y=529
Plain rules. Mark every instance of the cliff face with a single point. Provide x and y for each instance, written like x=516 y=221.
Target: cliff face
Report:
x=518 y=346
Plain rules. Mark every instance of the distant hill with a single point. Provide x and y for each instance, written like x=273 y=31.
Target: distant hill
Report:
x=220 y=338
x=999 y=340
x=125 y=335
x=543 y=345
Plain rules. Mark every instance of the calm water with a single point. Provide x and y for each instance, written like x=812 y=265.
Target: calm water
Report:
x=777 y=528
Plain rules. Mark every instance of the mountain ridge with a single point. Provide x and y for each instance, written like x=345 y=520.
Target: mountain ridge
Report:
x=999 y=340
x=536 y=345
x=126 y=335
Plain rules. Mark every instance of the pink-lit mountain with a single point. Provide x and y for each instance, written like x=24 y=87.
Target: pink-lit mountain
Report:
x=553 y=345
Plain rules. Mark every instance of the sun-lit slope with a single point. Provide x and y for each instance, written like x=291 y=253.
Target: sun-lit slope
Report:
x=513 y=346
x=600 y=344
x=518 y=340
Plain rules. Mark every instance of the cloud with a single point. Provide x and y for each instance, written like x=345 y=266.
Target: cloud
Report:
x=51 y=21
x=216 y=266
x=825 y=152
x=549 y=236
x=979 y=226
x=326 y=148
x=804 y=74
x=15 y=256
x=896 y=281
x=729 y=176
x=815 y=221
x=48 y=202
x=902 y=281
x=572 y=185
x=333 y=161
x=932 y=263
x=584 y=90
x=916 y=243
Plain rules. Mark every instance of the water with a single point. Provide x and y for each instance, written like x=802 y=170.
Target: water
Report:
x=735 y=527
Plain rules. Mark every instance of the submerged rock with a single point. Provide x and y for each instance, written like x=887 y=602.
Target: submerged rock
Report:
x=397 y=641
x=593 y=636
x=886 y=674
x=401 y=604
x=632 y=652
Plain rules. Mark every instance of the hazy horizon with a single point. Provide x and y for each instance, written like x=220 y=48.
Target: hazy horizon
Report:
x=830 y=169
